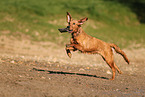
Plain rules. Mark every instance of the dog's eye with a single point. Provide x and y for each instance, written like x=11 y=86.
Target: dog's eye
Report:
x=69 y=23
x=73 y=23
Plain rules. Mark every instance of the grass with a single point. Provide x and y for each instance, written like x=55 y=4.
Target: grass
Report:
x=108 y=20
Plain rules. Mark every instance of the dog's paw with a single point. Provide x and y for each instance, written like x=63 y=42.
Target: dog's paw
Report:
x=120 y=72
x=68 y=53
x=111 y=79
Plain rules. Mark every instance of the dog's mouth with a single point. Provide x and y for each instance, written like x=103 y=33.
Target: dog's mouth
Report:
x=65 y=30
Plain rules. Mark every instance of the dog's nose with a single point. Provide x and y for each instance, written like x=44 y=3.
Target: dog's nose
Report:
x=68 y=27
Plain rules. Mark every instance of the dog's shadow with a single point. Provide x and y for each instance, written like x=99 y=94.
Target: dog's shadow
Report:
x=69 y=73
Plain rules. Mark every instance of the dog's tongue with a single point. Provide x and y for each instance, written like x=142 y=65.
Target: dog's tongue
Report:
x=70 y=31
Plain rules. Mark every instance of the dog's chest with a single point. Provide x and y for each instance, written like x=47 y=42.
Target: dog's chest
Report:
x=79 y=39
x=75 y=37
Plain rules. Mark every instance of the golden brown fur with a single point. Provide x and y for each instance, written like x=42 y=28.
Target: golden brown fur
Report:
x=88 y=44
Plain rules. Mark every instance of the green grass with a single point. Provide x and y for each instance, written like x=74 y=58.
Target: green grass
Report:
x=108 y=20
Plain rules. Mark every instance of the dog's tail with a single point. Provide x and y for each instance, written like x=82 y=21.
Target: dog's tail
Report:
x=118 y=50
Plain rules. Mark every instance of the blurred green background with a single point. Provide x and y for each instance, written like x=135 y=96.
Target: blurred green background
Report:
x=117 y=21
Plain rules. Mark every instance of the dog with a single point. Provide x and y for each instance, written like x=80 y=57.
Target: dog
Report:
x=91 y=45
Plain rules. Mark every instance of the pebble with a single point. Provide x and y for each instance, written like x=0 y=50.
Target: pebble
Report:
x=108 y=72
x=117 y=89
x=87 y=67
x=20 y=76
x=81 y=69
x=22 y=57
x=1 y=61
x=12 y=61
x=43 y=77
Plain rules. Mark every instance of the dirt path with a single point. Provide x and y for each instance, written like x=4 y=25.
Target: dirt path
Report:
x=36 y=69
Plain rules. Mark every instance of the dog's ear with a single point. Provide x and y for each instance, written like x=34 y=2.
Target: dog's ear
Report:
x=68 y=17
x=81 y=21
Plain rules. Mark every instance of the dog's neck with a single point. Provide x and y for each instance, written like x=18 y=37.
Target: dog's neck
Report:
x=77 y=32
x=80 y=32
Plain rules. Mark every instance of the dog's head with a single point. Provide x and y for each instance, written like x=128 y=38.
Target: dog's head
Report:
x=73 y=25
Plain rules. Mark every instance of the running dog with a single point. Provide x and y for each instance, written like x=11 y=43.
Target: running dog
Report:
x=88 y=44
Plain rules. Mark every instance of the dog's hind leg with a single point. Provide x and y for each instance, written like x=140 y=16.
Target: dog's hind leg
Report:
x=111 y=65
x=108 y=57
x=119 y=71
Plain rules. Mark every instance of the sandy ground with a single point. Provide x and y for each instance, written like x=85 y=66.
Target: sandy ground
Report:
x=42 y=69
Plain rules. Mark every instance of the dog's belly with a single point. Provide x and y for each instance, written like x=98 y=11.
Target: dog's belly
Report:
x=91 y=52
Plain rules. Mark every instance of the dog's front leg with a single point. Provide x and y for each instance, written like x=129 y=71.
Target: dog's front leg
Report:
x=69 y=47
